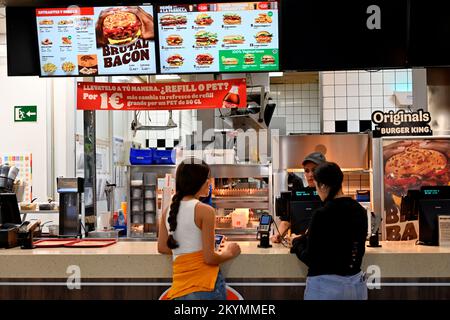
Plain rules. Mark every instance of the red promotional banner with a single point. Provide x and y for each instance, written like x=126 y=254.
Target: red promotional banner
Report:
x=230 y=93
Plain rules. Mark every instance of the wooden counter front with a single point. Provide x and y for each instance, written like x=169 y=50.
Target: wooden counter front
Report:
x=257 y=273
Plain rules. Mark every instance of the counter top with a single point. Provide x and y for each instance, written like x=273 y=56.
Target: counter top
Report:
x=141 y=260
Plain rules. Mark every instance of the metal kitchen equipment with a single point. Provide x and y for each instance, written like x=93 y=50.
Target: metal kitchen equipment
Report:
x=70 y=195
x=246 y=186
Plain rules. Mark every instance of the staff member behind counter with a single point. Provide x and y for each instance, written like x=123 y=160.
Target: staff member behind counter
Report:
x=310 y=162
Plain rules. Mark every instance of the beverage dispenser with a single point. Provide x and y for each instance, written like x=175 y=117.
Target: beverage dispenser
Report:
x=70 y=194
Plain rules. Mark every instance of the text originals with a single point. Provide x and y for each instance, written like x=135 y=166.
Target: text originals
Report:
x=116 y=56
x=399 y=117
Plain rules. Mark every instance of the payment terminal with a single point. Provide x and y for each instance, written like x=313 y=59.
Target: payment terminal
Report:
x=263 y=234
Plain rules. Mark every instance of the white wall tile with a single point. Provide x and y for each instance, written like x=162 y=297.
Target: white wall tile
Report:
x=341 y=114
x=289 y=127
x=364 y=77
x=289 y=95
x=288 y=86
x=401 y=76
x=364 y=90
x=313 y=86
x=388 y=89
x=341 y=102
x=352 y=90
x=376 y=77
x=327 y=78
x=329 y=126
x=297 y=94
x=340 y=78
x=353 y=114
x=306 y=127
x=315 y=127
x=353 y=126
x=365 y=102
x=328 y=103
x=298 y=126
x=289 y=110
x=388 y=76
x=305 y=94
x=377 y=90
x=377 y=102
x=314 y=103
x=328 y=114
x=352 y=77
x=353 y=102
x=365 y=114
x=340 y=90
x=328 y=91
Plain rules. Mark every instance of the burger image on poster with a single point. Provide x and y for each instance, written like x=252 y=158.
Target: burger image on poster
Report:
x=123 y=26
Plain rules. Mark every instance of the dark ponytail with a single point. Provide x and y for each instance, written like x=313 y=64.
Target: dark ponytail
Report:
x=330 y=175
x=190 y=177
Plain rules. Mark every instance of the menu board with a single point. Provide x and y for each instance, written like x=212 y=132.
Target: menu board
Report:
x=91 y=41
x=218 y=37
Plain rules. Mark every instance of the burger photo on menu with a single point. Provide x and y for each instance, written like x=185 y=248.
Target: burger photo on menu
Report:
x=233 y=39
x=267 y=59
x=174 y=40
x=175 y=60
x=263 y=37
x=204 y=38
x=123 y=26
x=410 y=164
x=249 y=58
x=170 y=20
x=229 y=61
x=204 y=59
x=203 y=19
x=263 y=18
x=231 y=18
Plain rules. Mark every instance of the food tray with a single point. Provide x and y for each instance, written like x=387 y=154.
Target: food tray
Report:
x=53 y=243
x=91 y=243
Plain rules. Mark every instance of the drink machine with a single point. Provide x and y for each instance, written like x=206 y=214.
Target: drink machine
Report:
x=70 y=193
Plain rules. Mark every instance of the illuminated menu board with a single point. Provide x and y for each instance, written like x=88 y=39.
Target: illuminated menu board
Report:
x=91 y=41
x=218 y=37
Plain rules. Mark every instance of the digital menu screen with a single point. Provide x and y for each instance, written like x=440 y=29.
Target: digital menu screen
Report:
x=91 y=41
x=218 y=37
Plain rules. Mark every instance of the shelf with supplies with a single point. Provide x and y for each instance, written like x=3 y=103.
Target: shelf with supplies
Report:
x=144 y=196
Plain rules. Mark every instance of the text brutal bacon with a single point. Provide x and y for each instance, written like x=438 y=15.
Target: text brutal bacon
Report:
x=114 y=56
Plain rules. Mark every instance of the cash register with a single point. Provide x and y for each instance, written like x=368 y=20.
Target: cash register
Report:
x=301 y=207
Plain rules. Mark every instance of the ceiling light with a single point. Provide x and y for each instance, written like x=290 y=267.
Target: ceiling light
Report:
x=275 y=74
x=167 y=77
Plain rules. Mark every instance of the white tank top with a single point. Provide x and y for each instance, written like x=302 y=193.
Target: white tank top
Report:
x=187 y=234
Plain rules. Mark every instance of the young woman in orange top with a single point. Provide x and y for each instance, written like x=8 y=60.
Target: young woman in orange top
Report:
x=187 y=232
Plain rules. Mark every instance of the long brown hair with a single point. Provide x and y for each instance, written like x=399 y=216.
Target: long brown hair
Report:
x=191 y=175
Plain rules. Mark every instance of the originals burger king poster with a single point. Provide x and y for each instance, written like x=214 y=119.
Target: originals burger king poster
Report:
x=91 y=41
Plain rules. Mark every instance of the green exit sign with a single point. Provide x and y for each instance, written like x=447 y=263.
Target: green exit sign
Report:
x=25 y=113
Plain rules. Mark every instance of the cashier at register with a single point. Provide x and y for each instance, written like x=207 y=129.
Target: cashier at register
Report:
x=310 y=162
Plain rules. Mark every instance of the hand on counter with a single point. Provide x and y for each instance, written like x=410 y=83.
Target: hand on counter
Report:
x=231 y=248
x=276 y=238
x=292 y=237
